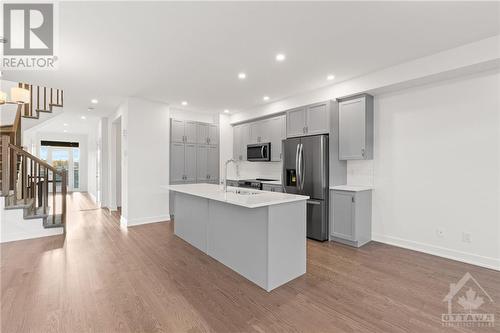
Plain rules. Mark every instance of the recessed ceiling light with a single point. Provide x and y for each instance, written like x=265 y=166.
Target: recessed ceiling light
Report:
x=65 y=131
x=184 y=103
x=94 y=101
x=265 y=98
x=65 y=124
x=330 y=77
x=242 y=76
x=83 y=117
x=226 y=111
x=280 y=57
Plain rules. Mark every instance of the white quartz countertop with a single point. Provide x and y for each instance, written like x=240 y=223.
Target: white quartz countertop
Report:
x=351 y=188
x=216 y=192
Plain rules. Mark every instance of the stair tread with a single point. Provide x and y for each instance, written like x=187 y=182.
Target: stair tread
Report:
x=50 y=223
x=37 y=214
x=10 y=203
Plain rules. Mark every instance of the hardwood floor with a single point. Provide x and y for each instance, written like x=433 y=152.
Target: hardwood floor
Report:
x=101 y=278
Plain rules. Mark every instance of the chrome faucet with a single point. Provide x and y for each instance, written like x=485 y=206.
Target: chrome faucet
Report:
x=225 y=172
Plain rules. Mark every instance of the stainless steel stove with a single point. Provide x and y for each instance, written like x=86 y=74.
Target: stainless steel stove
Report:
x=255 y=184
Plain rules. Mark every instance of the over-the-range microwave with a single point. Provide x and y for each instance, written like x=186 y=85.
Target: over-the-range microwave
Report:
x=259 y=152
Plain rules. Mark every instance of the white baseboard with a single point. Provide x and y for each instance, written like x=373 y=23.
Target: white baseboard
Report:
x=143 y=220
x=469 y=258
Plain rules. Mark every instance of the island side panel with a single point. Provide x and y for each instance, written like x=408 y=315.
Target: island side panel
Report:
x=286 y=243
x=237 y=237
x=191 y=219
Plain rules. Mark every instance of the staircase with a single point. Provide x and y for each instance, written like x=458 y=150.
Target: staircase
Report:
x=27 y=183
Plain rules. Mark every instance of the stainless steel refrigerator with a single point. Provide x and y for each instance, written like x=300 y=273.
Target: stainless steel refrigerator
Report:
x=305 y=171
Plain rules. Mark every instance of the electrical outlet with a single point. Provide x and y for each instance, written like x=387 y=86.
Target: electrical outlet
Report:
x=466 y=237
x=440 y=232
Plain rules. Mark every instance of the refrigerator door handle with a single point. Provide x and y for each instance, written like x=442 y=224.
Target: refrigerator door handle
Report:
x=313 y=202
x=297 y=183
x=301 y=180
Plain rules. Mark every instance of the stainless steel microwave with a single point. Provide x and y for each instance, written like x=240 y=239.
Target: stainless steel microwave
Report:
x=259 y=152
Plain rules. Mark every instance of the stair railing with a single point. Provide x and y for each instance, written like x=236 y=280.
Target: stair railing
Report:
x=35 y=181
x=42 y=99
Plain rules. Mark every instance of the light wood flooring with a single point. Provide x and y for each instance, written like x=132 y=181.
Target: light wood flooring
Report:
x=101 y=278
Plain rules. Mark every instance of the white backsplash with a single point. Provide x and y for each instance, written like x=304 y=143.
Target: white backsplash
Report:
x=250 y=170
x=360 y=172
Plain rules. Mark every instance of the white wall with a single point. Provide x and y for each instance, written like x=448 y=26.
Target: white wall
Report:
x=437 y=166
x=203 y=117
x=144 y=159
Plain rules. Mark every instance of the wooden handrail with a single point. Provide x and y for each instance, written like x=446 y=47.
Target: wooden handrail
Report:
x=26 y=178
x=36 y=159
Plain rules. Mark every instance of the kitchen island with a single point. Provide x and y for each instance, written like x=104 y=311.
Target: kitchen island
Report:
x=260 y=235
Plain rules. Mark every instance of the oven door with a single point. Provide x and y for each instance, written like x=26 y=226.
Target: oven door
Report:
x=259 y=152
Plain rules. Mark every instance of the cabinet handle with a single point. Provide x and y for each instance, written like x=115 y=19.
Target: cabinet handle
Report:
x=363 y=152
x=307 y=129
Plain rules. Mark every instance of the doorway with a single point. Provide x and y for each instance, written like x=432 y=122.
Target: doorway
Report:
x=63 y=156
x=116 y=166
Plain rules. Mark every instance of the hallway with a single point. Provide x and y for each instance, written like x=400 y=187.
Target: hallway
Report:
x=103 y=279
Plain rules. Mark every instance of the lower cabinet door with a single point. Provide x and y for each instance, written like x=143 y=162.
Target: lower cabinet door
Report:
x=190 y=162
x=213 y=163
x=202 y=163
x=343 y=215
x=177 y=163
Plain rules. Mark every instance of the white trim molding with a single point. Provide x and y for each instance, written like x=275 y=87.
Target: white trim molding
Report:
x=469 y=258
x=143 y=220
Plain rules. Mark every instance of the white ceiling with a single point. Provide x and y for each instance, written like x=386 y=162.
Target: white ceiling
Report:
x=175 y=51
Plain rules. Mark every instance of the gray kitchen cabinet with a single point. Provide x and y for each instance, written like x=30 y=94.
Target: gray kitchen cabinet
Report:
x=192 y=159
x=190 y=162
x=308 y=120
x=272 y=130
x=356 y=128
x=317 y=121
x=213 y=164
x=202 y=134
x=183 y=131
x=177 y=163
x=272 y=188
x=351 y=222
x=182 y=163
x=241 y=137
x=202 y=163
x=277 y=133
x=295 y=122
x=207 y=164
x=177 y=130
x=213 y=134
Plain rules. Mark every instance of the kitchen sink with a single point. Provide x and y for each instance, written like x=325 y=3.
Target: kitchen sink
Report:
x=242 y=192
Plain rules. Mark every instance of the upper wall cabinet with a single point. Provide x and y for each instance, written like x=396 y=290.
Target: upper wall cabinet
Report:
x=356 y=128
x=308 y=120
x=271 y=130
x=183 y=131
x=241 y=137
